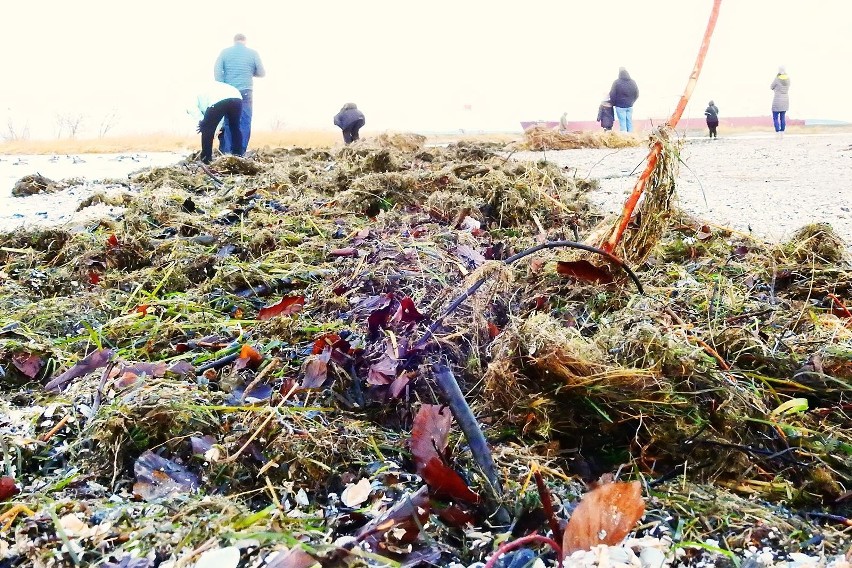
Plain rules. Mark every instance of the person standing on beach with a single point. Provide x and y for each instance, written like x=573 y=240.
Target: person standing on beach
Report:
x=781 y=99
x=349 y=120
x=605 y=115
x=712 y=114
x=237 y=66
x=214 y=102
x=623 y=95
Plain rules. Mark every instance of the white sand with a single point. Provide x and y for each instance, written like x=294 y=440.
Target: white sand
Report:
x=761 y=183
x=59 y=208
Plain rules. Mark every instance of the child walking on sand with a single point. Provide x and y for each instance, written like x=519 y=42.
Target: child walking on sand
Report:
x=712 y=114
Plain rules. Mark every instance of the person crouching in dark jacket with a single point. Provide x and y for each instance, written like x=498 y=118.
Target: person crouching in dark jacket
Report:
x=350 y=120
x=606 y=116
x=712 y=114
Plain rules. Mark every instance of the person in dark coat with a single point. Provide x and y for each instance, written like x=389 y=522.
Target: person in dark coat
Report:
x=623 y=95
x=712 y=114
x=781 y=99
x=350 y=120
x=605 y=115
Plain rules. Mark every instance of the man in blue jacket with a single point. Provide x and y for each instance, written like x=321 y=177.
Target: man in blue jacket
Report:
x=237 y=66
x=622 y=95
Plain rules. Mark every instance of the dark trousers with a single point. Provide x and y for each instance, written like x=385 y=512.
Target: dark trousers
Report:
x=230 y=110
x=226 y=143
x=351 y=134
x=711 y=125
x=779 y=117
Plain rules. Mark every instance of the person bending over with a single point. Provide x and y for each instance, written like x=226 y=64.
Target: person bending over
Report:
x=350 y=120
x=214 y=102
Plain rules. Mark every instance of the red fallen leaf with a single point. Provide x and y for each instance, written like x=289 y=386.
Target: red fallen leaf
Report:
x=377 y=320
x=27 y=363
x=429 y=438
x=8 y=488
x=287 y=306
x=323 y=341
x=94 y=277
x=340 y=290
x=315 y=370
x=112 y=241
x=418 y=232
x=407 y=312
x=430 y=433
x=476 y=232
x=158 y=478
x=540 y=302
x=605 y=515
x=456 y=516
x=405 y=518
x=348 y=251
x=94 y=360
x=703 y=233
x=142 y=309
x=493 y=330
x=445 y=483
x=584 y=271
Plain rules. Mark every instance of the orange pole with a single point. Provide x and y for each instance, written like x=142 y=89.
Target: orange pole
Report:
x=654 y=154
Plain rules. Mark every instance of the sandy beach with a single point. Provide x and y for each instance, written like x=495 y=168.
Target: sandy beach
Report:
x=750 y=183
x=92 y=173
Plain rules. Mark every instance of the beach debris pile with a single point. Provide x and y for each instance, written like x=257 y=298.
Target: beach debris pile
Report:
x=540 y=138
x=392 y=355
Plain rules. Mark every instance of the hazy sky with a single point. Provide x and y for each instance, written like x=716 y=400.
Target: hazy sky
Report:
x=415 y=65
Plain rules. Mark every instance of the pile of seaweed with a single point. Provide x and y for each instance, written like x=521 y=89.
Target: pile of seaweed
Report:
x=237 y=362
x=543 y=138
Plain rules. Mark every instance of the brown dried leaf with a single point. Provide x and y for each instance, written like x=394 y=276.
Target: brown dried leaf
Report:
x=605 y=516
x=91 y=362
x=315 y=370
x=584 y=271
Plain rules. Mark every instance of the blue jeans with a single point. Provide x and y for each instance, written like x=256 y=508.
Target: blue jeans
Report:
x=779 y=117
x=625 y=118
x=225 y=145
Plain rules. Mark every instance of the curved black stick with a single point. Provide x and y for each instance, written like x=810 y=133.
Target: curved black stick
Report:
x=548 y=245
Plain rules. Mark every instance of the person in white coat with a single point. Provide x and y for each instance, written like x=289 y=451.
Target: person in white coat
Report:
x=214 y=102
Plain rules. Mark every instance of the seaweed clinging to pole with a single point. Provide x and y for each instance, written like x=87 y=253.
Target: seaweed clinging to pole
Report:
x=657 y=148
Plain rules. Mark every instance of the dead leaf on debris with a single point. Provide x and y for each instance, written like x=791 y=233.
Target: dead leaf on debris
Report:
x=356 y=493
x=584 y=271
x=28 y=364
x=315 y=370
x=91 y=362
x=605 y=515
x=158 y=478
x=429 y=438
x=287 y=306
